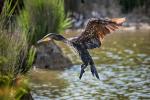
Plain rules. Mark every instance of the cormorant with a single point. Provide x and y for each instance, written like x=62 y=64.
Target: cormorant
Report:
x=90 y=38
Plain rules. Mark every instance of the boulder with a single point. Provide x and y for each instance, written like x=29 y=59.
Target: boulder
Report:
x=50 y=56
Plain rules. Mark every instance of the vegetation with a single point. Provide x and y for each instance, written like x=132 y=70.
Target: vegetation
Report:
x=40 y=17
x=13 y=53
x=18 y=34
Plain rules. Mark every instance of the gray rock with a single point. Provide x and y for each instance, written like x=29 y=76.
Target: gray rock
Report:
x=50 y=56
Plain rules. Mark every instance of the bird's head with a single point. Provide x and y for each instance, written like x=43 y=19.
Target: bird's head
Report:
x=51 y=36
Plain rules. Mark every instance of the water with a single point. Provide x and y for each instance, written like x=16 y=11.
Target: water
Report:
x=123 y=64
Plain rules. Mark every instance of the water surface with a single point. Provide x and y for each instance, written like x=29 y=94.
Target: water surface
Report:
x=123 y=64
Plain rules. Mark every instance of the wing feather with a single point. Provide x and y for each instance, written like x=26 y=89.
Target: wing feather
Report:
x=96 y=30
x=118 y=20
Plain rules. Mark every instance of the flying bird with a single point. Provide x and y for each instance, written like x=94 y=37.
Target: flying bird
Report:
x=95 y=31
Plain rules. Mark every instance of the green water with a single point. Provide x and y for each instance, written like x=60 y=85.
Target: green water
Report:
x=123 y=64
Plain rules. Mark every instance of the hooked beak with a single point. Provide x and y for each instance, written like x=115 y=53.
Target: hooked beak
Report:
x=44 y=40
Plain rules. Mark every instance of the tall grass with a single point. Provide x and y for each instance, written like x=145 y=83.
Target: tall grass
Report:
x=40 y=17
x=12 y=44
x=16 y=51
x=6 y=13
x=14 y=56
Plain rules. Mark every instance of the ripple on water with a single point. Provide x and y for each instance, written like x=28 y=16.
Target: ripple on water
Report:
x=116 y=82
x=126 y=83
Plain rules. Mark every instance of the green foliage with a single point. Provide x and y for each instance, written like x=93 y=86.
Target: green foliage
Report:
x=12 y=89
x=40 y=17
x=9 y=51
x=7 y=12
x=20 y=92
x=11 y=41
x=30 y=57
x=14 y=50
x=13 y=56
x=11 y=46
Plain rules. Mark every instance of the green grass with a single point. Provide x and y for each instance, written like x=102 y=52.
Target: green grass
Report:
x=15 y=56
x=17 y=38
x=40 y=17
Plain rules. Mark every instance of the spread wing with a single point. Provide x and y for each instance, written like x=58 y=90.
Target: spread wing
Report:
x=96 y=29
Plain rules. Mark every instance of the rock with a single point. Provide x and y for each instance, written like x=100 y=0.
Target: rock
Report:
x=50 y=56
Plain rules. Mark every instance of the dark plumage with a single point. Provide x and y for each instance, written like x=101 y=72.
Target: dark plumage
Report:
x=90 y=38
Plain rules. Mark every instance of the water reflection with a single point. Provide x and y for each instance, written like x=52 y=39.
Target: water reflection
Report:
x=123 y=64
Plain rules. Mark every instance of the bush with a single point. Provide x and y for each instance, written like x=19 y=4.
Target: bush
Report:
x=40 y=17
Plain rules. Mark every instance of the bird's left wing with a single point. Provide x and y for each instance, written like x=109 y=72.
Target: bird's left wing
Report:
x=96 y=29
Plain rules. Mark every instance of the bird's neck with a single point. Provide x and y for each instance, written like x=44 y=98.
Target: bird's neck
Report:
x=64 y=40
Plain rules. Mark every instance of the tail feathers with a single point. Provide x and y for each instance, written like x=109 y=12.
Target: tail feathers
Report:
x=94 y=71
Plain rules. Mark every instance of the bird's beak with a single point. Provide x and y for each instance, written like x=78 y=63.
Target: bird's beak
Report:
x=44 y=40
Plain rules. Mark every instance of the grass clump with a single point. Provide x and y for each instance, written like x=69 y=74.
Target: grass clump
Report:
x=40 y=17
x=15 y=60
x=17 y=38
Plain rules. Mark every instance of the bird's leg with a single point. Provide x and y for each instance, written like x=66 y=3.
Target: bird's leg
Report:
x=83 y=66
x=93 y=70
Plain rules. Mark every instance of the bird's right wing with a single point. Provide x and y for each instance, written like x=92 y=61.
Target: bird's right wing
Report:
x=96 y=29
